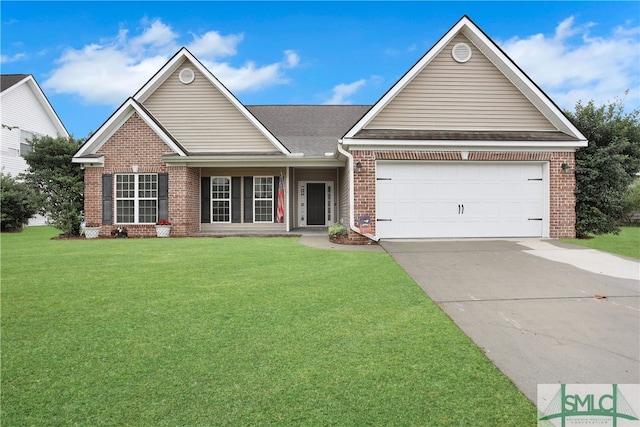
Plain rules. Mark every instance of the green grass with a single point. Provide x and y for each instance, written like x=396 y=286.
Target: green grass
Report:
x=627 y=243
x=233 y=331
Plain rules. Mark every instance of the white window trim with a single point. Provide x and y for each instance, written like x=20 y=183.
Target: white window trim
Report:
x=228 y=178
x=255 y=199
x=136 y=199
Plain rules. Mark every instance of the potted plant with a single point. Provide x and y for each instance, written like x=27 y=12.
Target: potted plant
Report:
x=120 y=231
x=163 y=228
x=92 y=230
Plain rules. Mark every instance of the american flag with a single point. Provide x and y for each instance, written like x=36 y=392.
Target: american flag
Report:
x=280 y=212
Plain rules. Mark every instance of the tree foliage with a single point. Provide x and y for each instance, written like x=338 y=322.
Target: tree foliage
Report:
x=18 y=203
x=605 y=168
x=59 y=182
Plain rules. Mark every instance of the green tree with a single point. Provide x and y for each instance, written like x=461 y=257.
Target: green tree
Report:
x=606 y=168
x=18 y=203
x=59 y=182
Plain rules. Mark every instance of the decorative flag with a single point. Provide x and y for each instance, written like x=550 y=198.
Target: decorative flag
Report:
x=280 y=212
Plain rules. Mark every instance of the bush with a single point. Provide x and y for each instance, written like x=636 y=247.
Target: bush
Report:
x=18 y=203
x=337 y=230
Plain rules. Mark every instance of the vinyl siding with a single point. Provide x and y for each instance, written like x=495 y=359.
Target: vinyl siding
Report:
x=21 y=108
x=447 y=95
x=202 y=119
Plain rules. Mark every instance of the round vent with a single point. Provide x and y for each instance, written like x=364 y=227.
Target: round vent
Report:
x=186 y=76
x=461 y=52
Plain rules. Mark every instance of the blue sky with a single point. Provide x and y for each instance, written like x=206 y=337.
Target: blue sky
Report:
x=90 y=56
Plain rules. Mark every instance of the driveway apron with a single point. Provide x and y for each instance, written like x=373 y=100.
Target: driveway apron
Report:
x=540 y=321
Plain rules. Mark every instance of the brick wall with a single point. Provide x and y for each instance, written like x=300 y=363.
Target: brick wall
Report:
x=135 y=144
x=561 y=185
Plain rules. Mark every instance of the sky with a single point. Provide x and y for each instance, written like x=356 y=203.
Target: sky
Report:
x=89 y=57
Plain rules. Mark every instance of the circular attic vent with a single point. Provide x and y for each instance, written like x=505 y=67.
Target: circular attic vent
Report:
x=186 y=76
x=461 y=52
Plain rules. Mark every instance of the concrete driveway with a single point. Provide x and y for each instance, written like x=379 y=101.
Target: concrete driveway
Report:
x=543 y=311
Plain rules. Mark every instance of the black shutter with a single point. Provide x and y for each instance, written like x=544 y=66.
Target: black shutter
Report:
x=205 y=199
x=248 y=199
x=163 y=196
x=236 y=199
x=107 y=199
x=275 y=197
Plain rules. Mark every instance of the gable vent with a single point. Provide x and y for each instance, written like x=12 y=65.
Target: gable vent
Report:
x=186 y=76
x=461 y=52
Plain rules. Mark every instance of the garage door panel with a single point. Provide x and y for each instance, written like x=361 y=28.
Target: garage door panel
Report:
x=460 y=199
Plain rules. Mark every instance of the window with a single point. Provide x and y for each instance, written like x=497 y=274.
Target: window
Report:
x=25 y=141
x=263 y=199
x=220 y=199
x=136 y=198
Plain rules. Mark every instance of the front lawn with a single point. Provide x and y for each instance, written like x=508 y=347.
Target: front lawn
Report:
x=232 y=331
x=626 y=243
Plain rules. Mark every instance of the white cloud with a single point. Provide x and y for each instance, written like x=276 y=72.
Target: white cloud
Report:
x=342 y=92
x=110 y=70
x=571 y=65
x=13 y=58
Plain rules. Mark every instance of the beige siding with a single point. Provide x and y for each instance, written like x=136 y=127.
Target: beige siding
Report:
x=343 y=197
x=464 y=96
x=202 y=119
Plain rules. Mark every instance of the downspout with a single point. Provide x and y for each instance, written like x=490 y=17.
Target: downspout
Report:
x=352 y=196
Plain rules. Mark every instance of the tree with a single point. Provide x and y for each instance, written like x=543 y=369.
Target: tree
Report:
x=59 y=182
x=18 y=203
x=606 y=168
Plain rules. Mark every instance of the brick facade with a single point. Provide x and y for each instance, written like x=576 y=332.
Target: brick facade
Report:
x=562 y=215
x=133 y=145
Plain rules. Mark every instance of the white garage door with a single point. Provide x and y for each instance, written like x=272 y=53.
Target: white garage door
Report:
x=431 y=199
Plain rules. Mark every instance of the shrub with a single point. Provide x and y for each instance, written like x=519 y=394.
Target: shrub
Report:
x=18 y=202
x=336 y=230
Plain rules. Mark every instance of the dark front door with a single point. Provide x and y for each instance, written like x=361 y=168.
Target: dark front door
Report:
x=316 y=210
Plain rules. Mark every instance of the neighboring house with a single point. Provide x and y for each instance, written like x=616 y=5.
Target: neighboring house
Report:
x=25 y=112
x=463 y=145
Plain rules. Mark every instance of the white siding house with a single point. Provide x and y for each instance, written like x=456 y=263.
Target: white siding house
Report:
x=25 y=112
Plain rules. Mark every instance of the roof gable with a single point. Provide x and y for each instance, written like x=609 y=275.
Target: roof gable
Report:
x=117 y=119
x=12 y=82
x=486 y=93
x=203 y=114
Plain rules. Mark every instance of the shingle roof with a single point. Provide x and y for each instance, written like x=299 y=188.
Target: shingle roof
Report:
x=8 y=80
x=309 y=129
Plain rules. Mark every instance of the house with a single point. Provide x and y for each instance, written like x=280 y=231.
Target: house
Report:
x=463 y=145
x=25 y=113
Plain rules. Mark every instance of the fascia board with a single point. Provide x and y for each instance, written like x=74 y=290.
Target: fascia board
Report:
x=42 y=98
x=92 y=161
x=376 y=144
x=175 y=62
x=404 y=80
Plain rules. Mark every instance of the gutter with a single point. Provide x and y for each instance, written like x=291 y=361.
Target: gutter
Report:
x=352 y=194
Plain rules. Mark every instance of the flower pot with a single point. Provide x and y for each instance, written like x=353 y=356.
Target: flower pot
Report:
x=92 y=232
x=163 y=230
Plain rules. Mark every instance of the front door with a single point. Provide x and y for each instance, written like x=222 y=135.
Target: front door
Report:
x=316 y=208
